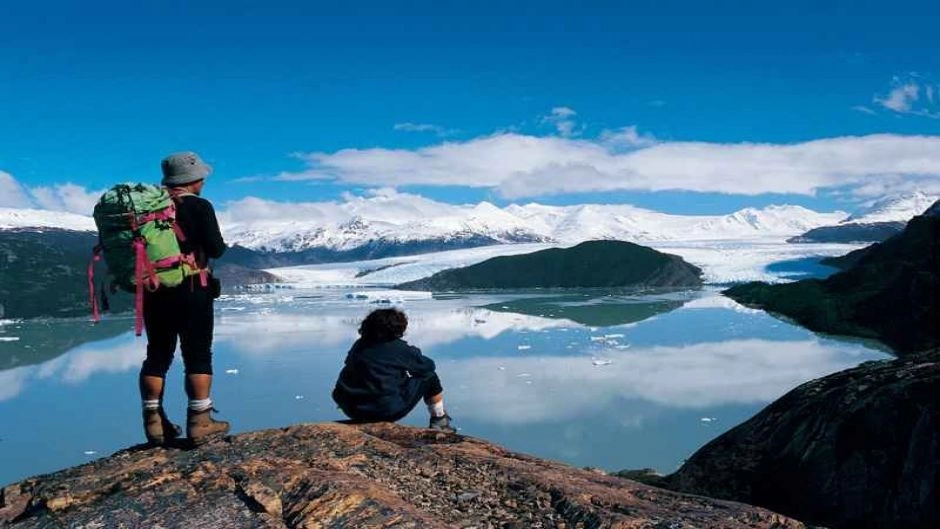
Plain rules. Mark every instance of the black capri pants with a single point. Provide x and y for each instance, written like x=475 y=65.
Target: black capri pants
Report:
x=183 y=313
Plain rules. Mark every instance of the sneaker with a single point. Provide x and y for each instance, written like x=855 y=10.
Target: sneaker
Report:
x=442 y=423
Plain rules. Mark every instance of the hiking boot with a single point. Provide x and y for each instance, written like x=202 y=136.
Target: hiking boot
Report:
x=202 y=428
x=158 y=428
x=442 y=423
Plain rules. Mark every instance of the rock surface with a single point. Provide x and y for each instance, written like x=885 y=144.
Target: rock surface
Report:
x=857 y=449
x=335 y=475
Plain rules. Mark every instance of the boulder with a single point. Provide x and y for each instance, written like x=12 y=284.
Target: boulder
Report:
x=857 y=449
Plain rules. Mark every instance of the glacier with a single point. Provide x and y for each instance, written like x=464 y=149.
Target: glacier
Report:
x=722 y=262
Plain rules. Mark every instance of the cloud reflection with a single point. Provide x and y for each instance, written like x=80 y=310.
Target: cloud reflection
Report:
x=531 y=389
x=565 y=374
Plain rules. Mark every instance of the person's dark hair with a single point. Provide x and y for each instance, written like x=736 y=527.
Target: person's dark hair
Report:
x=383 y=325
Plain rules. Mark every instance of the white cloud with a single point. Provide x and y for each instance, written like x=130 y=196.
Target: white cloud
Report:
x=562 y=118
x=519 y=165
x=424 y=127
x=66 y=197
x=61 y=197
x=863 y=109
x=901 y=98
x=913 y=96
x=626 y=138
x=378 y=205
x=12 y=194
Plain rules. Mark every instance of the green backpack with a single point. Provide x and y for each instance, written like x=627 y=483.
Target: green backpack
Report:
x=139 y=239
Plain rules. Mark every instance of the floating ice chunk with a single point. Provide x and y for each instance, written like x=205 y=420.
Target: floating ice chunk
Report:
x=708 y=419
x=9 y=338
x=299 y=397
x=523 y=375
x=501 y=368
x=231 y=371
x=622 y=347
x=601 y=362
x=609 y=336
x=90 y=452
x=232 y=309
x=387 y=297
x=524 y=347
x=528 y=381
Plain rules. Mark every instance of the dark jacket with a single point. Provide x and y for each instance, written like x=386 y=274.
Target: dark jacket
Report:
x=382 y=381
x=196 y=219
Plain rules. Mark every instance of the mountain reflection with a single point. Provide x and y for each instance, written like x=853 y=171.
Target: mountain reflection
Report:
x=596 y=308
x=25 y=343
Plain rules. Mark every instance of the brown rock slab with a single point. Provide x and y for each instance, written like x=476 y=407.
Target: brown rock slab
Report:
x=335 y=475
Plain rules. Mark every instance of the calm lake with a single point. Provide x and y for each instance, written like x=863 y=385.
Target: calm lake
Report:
x=610 y=379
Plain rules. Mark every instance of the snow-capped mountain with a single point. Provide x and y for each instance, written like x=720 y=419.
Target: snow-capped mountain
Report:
x=390 y=223
x=39 y=218
x=897 y=208
x=486 y=223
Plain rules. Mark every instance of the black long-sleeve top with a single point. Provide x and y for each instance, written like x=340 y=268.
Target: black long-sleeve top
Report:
x=196 y=218
x=381 y=380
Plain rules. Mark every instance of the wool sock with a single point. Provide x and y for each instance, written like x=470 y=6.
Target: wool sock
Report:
x=436 y=409
x=200 y=405
x=152 y=405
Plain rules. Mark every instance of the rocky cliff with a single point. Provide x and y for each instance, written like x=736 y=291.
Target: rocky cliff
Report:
x=857 y=449
x=339 y=476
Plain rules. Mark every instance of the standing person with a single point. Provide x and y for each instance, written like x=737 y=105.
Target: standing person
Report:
x=384 y=377
x=184 y=312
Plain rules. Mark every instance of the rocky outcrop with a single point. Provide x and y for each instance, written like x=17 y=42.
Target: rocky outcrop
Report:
x=857 y=449
x=592 y=264
x=336 y=476
x=236 y=276
x=889 y=292
x=850 y=233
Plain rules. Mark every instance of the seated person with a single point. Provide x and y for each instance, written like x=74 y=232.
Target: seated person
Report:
x=384 y=377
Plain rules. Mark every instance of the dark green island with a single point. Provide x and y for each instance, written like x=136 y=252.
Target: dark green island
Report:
x=592 y=264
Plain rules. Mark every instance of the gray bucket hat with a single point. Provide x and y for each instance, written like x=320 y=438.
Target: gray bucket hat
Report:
x=183 y=168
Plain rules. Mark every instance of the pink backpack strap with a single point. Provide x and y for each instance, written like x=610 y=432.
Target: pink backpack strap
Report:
x=145 y=276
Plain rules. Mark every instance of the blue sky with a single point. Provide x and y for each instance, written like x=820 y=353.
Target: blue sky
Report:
x=307 y=101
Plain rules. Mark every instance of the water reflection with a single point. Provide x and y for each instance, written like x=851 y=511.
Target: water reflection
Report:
x=24 y=343
x=588 y=379
x=597 y=308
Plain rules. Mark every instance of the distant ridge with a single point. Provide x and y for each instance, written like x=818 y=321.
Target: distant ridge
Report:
x=883 y=219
